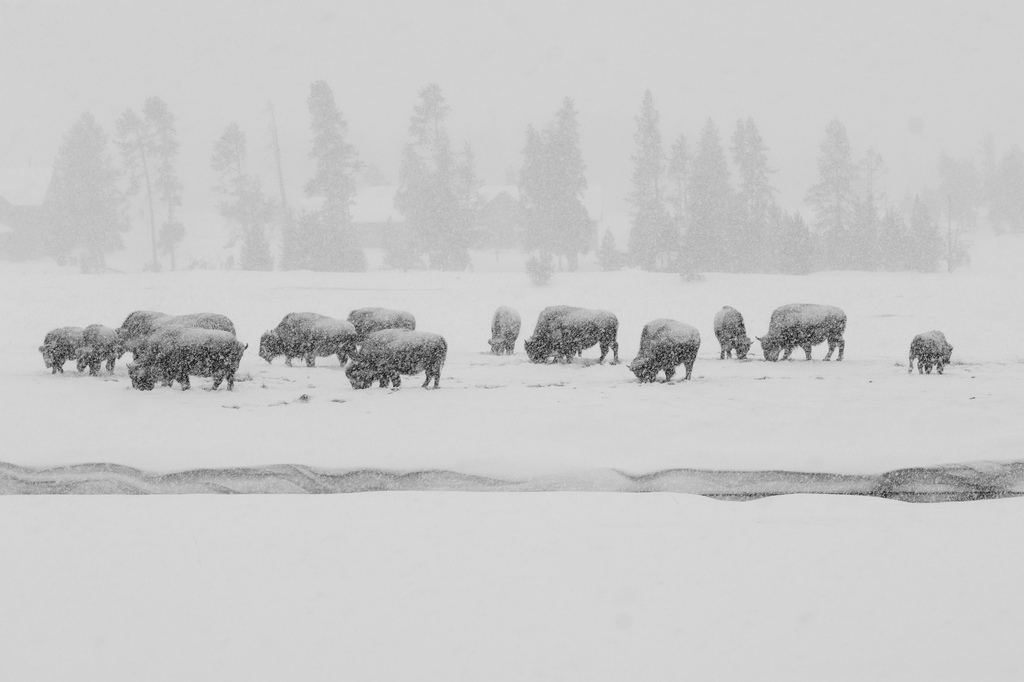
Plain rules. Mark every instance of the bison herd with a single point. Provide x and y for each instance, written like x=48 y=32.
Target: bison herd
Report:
x=378 y=345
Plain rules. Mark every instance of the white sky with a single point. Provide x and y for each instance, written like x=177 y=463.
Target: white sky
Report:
x=792 y=66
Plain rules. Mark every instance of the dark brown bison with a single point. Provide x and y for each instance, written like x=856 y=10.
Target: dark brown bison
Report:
x=99 y=344
x=59 y=346
x=385 y=355
x=505 y=327
x=141 y=323
x=564 y=331
x=930 y=349
x=370 y=320
x=664 y=345
x=804 y=325
x=172 y=353
x=731 y=333
x=308 y=336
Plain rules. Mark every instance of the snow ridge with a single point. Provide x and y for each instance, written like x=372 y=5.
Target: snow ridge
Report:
x=947 y=483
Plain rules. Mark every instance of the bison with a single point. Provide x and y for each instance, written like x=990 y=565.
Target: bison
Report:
x=308 y=336
x=59 y=346
x=731 y=333
x=564 y=331
x=385 y=355
x=664 y=345
x=99 y=343
x=172 y=353
x=141 y=323
x=504 y=331
x=930 y=348
x=804 y=325
x=370 y=320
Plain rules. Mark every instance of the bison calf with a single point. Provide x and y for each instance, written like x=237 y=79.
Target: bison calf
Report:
x=804 y=325
x=387 y=354
x=99 y=344
x=505 y=327
x=930 y=349
x=731 y=333
x=59 y=346
x=664 y=345
x=308 y=336
x=173 y=353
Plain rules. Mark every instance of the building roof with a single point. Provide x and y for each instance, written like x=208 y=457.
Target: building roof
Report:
x=25 y=186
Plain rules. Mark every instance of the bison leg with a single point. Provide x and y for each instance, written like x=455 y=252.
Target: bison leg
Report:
x=669 y=373
x=842 y=346
x=615 y=352
x=938 y=366
x=217 y=378
x=807 y=351
x=310 y=360
x=184 y=381
x=396 y=380
x=288 y=360
x=110 y=364
x=787 y=353
x=910 y=364
x=689 y=369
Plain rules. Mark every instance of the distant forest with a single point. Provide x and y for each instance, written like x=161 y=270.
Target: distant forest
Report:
x=694 y=208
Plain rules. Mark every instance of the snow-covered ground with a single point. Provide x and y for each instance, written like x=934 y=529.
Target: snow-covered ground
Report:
x=563 y=585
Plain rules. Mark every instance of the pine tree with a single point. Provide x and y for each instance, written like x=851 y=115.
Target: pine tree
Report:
x=710 y=239
x=85 y=206
x=796 y=246
x=573 y=228
x=755 y=197
x=833 y=196
x=609 y=257
x=1008 y=200
x=652 y=238
x=160 y=122
x=533 y=192
x=136 y=141
x=326 y=241
x=924 y=236
x=245 y=205
x=894 y=242
x=428 y=186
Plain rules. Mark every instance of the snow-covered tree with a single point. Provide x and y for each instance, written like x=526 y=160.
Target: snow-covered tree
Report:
x=652 y=236
x=245 y=205
x=85 y=207
x=833 y=197
x=710 y=238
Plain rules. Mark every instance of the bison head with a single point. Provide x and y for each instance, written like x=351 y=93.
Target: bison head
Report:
x=770 y=346
x=536 y=351
x=742 y=346
x=82 y=357
x=269 y=346
x=143 y=378
x=359 y=375
x=644 y=370
x=47 y=356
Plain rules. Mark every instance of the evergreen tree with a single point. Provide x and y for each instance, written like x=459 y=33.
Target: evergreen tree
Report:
x=711 y=240
x=244 y=205
x=609 y=257
x=833 y=197
x=160 y=121
x=1008 y=200
x=428 y=186
x=678 y=173
x=136 y=141
x=894 y=242
x=85 y=205
x=533 y=195
x=573 y=228
x=326 y=241
x=924 y=236
x=755 y=197
x=652 y=238
x=796 y=246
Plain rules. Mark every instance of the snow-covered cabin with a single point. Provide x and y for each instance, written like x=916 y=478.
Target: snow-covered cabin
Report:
x=23 y=194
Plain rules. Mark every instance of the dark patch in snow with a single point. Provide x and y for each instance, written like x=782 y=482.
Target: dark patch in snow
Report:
x=947 y=483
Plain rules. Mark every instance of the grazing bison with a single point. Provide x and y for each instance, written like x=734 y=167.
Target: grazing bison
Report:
x=389 y=353
x=664 y=345
x=930 y=348
x=804 y=325
x=564 y=331
x=308 y=336
x=731 y=333
x=59 y=346
x=172 y=353
x=370 y=320
x=141 y=323
x=504 y=331
x=99 y=343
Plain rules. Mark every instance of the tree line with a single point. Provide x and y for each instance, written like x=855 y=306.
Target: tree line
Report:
x=687 y=214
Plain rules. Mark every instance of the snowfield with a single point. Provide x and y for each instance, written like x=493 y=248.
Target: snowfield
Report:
x=562 y=585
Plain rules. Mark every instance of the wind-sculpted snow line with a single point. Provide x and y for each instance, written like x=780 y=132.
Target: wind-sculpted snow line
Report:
x=956 y=482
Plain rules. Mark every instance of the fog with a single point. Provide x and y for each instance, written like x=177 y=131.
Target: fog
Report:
x=910 y=79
